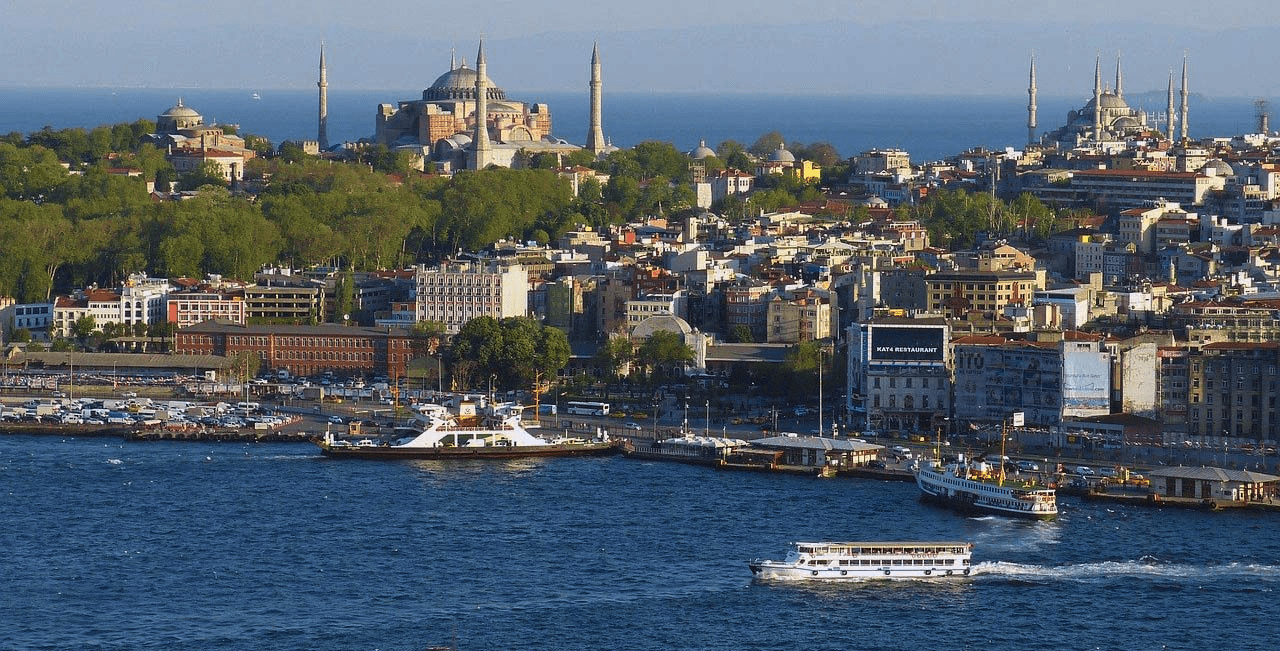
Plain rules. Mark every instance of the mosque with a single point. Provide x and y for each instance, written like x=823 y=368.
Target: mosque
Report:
x=1106 y=117
x=443 y=128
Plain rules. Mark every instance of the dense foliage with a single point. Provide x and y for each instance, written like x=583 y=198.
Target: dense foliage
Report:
x=508 y=354
x=64 y=228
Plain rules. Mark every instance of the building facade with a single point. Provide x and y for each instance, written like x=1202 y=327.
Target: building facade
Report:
x=956 y=293
x=455 y=293
x=1233 y=393
x=189 y=308
x=303 y=350
x=899 y=374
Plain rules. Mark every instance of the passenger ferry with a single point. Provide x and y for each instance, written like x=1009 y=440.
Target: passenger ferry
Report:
x=858 y=561
x=439 y=434
x=971 y=486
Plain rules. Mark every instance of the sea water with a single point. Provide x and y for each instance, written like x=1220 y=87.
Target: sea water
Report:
x=171 y=545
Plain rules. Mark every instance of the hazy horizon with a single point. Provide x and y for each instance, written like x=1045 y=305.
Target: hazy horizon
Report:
x=915 y=47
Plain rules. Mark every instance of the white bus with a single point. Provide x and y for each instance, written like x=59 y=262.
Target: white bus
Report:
x=587 y=408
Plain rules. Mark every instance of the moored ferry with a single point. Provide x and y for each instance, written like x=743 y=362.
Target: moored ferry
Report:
x=438 y=434
x=970 y=486
x=854 y=561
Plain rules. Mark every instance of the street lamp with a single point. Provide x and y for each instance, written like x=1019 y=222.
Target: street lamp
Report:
x=706 y=426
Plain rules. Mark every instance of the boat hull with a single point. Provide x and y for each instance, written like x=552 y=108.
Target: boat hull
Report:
x=970 y=496
x=458 y=453
x=776 y=571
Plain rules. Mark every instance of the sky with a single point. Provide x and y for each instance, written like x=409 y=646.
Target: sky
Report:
x=850 y=47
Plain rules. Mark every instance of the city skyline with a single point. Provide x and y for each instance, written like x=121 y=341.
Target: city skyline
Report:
x=758 y=48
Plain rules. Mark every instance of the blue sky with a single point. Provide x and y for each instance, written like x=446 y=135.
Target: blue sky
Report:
x=750 y=46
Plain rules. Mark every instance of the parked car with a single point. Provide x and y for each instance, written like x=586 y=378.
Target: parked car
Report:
x=335 y=420
x=1028 y=466
x=1084 y=471
x=631 y=425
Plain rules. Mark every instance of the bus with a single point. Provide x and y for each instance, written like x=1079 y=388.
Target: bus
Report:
x=587 y=408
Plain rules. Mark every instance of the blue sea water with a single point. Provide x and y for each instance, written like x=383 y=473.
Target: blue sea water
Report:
x=168 y=545
x=928 y=127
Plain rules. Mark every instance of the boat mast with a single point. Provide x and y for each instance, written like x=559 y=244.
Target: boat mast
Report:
x=1004 y=432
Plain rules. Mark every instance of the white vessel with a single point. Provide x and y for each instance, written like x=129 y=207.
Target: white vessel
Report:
x=438 y=434
x=854 y=561
x=971 y=486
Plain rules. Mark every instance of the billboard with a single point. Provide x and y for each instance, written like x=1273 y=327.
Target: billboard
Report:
x=1086 y=383
x=903 y=343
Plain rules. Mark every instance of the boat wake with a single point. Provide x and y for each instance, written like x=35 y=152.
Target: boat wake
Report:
x=1147 y=567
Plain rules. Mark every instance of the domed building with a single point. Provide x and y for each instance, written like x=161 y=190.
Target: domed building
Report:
x=1106 y=116
x=177 y=118
x=702 y=151
x=442 y=125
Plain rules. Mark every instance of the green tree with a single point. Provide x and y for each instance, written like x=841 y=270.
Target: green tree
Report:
x=83 y=327
x=662 y=352
x=613 y=356
x=512 y=352
x=207 y=173
x=741 y=334
x=734 y=154
x=766 y=144
x=21 y=335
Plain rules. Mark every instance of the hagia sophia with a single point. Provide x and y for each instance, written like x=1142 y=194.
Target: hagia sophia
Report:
x=442 y=126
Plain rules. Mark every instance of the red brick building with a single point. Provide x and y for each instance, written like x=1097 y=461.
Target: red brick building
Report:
x=303 y=350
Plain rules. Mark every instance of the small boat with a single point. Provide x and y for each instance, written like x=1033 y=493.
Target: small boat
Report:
x=861 y=561
x=439 y=434
x=257 y=96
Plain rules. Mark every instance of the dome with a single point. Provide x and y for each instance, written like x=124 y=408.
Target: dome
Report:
x=1217 y=167
x=701 y=151
x=1109 y=102
x=177 y=118
x=460 y=83
x=782 y=155
x=180 y=111
x=1126 y=122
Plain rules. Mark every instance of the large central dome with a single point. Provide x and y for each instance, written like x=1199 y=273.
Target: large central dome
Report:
x=460 y=84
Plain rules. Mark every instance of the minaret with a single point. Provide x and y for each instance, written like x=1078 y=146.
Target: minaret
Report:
x=1097 y=100
x=1170 y=115
x=1119 y=79
x=1182 y=112
x=1031 y=105
x=595 y=135
x=323 y=136
x=481 y=138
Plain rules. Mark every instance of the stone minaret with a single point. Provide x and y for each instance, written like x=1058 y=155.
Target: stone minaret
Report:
x=1031 y=105
x=595 y=134
x=1170 y=115
x=1097 y=100
x=1119 y=79
x=481 y=138
x=1182 y=112
x=323 y=135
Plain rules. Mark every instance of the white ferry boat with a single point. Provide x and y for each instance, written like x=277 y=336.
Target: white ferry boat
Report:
x=855 y=561
x=971 y=486
x=438 y=434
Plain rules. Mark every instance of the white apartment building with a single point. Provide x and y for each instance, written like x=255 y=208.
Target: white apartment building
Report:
x=455 y=293
x=139 y=300
x=189 y=308
x=674 y=303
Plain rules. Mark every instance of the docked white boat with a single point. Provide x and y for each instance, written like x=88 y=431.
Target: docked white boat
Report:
x=439 y=434
x=860 y=561
x=972 y=486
